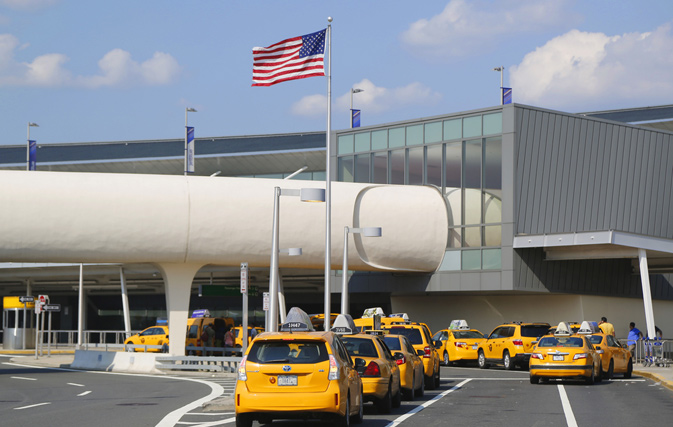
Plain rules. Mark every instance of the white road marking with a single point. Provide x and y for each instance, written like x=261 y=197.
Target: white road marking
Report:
x=487 y=379
x=419 y=408
x=76 y=385
x=24 y=378
x=626 y=380
x=567 y=409
x=211 y=423
x=84 y=394
x=174 y=417
x=211 y=414
x=32 y=406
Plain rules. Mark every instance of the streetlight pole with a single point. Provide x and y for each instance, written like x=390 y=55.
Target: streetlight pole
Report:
x=353 y=90
x=187 y=110
x=501 y=69
x=367 y=232
x=30 y=124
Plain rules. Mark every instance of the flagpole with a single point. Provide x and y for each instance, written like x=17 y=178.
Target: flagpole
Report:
x=328 y=183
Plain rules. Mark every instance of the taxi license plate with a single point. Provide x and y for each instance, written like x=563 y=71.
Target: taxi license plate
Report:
x=285 y=380
x=557 y=358
x=475 y=346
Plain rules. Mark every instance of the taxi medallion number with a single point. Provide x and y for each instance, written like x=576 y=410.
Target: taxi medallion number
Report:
x=287 y=380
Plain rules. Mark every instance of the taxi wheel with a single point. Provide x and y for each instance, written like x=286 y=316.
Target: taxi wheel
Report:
x=361 y=412
x=244 y=420
x=409 y=394
x=437 y=377
x=130 y=349
x=629 y=369
x=534 y=380
x=611 y=370
x=421 y=389
x=397 y=399
x=481 y=360
x=507 y=361
x=447 y=361
x=385 y=405
x=344 y=421
x=591 y=379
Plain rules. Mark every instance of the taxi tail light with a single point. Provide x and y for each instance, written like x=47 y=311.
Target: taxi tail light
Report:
x=537 y=356
x=600 y=351
x=518 y=342
x=461 y=344
x=333 y=369
x=401 y=361
x=428 y=352
x=580 y=356
x=242 y=375
x=372 y=370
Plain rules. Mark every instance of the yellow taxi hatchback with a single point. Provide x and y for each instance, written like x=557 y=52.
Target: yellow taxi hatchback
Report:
x=420 y=337
x=154 y=335
x=564 y=356
x=411 y=365
x=615 y=356
x=297 y=373
x=459 y=342
x=374 y=362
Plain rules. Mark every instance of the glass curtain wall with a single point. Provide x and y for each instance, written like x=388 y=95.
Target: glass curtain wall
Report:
x=462 y=156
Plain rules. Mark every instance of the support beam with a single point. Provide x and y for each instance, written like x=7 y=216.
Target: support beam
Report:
x=178 y=282
x=647 y=293
x=125 y=303
x=80 y=308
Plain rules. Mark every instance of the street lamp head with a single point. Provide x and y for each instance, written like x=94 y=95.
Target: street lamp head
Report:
x=191 y=110
x=371 y=231
x=312 y=194
x=499 y=68
x=294 y=251
x=354 y=90
x=31 y=124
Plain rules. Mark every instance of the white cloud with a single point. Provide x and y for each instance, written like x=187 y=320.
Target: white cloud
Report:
x=464 y=27
x=581 y=70
x=117 y=68
x=374 y=99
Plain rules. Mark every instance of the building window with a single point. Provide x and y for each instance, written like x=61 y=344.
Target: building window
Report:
x=433 y=132
x=397 y=167
x=492 y=123
x=471 y=127
x=362 y=142
x=492 y=259
x=415 y=166
x=346 y=169
x=362 y=167
x=345 y=144
x=380 y=140
x=433 y=169
x=451 y=261
x=471 y=260
x=415 y=135
x=453 y=129
x=380 y=167
x=396 y=138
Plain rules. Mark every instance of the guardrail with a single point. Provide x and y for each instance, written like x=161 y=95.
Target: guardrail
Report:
x=198 y=363
x=69 y=337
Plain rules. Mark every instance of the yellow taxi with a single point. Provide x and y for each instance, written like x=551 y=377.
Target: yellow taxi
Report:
x=615 y=356
x=297 y=373
x=565 y=355
x=196 y=324
x=411 y=365
x=380 y=373
x=373 y=318
x=238 y=335
x=510 y=344
x=420 y=337
x=154 y=335
x=318 y=320
x=459 y=342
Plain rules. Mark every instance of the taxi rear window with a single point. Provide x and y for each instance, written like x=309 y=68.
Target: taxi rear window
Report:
x=534 y=331
x=299 y=352
x=361 y=347
x=561 y=342
x=595 y=339
x=463 y=335
x=393 y=343
x=413 y=334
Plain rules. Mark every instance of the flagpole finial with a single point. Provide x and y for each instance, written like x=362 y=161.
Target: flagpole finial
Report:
x=329 y=19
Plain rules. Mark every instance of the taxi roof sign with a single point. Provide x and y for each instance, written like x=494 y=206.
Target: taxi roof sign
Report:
x=297 y=321
x=588 y=328
x=371 y=312
x=563 y=330
x=204 y=312
x=459 y=324
x=404 y=316
x=344 y=325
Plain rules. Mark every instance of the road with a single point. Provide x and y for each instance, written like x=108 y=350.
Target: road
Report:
x=468 y=396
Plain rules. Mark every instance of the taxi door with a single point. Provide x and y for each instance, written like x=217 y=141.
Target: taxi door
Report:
x=619 y=355
x=494 y=345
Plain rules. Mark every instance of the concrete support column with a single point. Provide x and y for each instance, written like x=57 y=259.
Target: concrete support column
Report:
x=178 y=283
x=647 y=293
x=125 y=303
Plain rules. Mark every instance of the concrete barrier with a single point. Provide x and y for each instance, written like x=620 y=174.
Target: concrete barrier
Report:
x=115 y=361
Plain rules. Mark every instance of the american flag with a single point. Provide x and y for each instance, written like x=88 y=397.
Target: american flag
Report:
x=294 y=58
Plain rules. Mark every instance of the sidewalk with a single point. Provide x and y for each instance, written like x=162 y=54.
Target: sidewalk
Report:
x=659 y=374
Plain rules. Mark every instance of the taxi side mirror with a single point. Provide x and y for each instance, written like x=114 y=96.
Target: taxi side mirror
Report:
x=420 y=353
x=166 y=336
x=359 y=364
x=438 y=344
x=398 y=355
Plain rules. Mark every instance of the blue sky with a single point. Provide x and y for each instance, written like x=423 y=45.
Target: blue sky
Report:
x=89 y=71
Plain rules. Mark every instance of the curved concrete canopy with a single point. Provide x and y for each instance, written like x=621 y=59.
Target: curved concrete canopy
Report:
x=86 y=217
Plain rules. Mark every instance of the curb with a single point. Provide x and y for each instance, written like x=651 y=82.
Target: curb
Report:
x=655 y=377
x=220 y=404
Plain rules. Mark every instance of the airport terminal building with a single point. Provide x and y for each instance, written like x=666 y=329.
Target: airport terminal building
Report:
x=552 y=216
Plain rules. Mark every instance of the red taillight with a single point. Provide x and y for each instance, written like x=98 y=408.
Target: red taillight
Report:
x=372 y=370
x=518 y=342
x=428 y=352
x=580 y=356
x=401 y=361
x=537 y=356
x=461 y=344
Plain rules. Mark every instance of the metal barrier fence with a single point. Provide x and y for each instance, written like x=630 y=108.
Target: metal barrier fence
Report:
x=651 y=352
x=68 y=338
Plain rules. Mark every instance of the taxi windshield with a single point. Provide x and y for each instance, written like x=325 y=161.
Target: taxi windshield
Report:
x=300 y=352
x=561 y=342
x=393 y=343
x=413 y=334
x=362 y=347
x=463 y=335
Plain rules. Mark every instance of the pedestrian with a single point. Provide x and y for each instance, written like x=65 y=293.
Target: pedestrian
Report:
x=229 y=340
x=220 y=329
x=210 y=338
x=253 y=332
x=634 y=335
x=606 y=327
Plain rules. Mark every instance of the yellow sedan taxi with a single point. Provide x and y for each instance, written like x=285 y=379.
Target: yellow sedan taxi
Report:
x=420 y=337
x=411 y=365
x=615 y=356
x=380 y=373
x=564 y=356
x=152 y=336
x=459 y=342
x=297 y=373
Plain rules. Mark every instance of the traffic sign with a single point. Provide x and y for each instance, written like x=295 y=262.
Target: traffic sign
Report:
x=52 y=307
x=43 y=299
x=266 y=301
x=27 y=299
x=244 y=277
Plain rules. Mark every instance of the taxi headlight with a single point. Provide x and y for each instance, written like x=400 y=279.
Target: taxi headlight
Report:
x=242 y=375
x=333 y=369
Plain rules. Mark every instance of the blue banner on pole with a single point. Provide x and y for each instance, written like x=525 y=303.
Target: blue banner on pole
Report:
x=190 y=149
x=355 y=118
x=506 y=95
x=32 y=155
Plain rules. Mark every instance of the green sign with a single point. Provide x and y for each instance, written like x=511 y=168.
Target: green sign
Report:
x=226 y=291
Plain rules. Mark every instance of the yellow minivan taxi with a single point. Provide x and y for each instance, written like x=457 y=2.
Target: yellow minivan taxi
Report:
x=297 y=373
